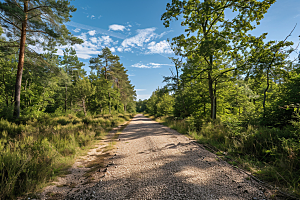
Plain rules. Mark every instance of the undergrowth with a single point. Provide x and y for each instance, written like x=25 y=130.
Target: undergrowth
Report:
x=34 y=151
x=271 y=154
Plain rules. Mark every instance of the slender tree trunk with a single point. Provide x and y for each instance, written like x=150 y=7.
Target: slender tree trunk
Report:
x=265 y=93
x=179 y=89
x=215 y=108
x=20 y=64
x=105 y=73
x=6 y=95
x=83 y=105
x=109 y=103
x=212 y=98
x=66 y=97
x=25 y=92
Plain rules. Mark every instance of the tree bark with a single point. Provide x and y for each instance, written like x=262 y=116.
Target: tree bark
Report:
x=20 y=64
x=212 y=96
x=66 y=97
x=109 y=103
x=179 y=90
x=83 y=105
x=265 y=93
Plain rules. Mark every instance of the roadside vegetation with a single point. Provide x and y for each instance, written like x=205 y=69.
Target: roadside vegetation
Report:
x=35 y=151
x=51 y=109
x=232 y=91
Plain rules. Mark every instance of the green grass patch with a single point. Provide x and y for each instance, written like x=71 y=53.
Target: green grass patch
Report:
x=36 y=151
x=271 y=154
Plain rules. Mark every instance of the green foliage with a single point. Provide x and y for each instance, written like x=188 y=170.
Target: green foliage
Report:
x=62 y=109
x=272 y=150
x=233 y=90
x=160 y=103
x=141 y=105
x=32 y=154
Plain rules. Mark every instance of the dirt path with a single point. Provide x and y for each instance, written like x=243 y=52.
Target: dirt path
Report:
x=155 y=162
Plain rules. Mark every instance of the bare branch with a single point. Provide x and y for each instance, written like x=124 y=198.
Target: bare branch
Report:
x=37 y=8
x=9 y=22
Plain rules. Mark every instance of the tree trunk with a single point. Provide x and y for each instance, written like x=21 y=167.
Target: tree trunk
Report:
x=212 y=98
x=180 y=91
x=106 y=69
x=6 y=95
x=66 y=97
x=265 y=93
x=109 y=103
x=20 y=64
x=83 y=105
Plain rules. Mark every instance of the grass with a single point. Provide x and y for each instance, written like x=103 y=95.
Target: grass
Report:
x=271 y=154
x=36 y=151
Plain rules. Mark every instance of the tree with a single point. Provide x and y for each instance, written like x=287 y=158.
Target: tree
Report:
x=83 y=90
x=212 y=43
x=72 y=67
x=35 y=22
x=104 y=61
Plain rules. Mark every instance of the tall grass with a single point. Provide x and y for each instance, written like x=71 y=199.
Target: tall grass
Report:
x=35 y=151
x=272 y=154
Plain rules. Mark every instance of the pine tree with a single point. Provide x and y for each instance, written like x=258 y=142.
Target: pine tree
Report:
x=35 y=22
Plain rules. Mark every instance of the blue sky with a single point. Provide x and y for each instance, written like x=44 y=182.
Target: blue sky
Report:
x=132 y=29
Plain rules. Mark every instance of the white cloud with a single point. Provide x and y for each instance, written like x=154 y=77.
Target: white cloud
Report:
x=149 y=65
x=119 y=49
x=98 y=30
x=139 y=65
x=60 y=52
x=92 y=32
x=143 y=36
x=139 y=90
x=160 y=47
x=93 y=39
x=105 y=40
x=85 y=51
x=77 y=30
x=112 y=49
x=158 y=65
x=83 y=36
x=127 y=50
x=93 y=17
x=116 y=27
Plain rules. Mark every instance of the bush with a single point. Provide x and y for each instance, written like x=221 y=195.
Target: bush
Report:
x=32 y=154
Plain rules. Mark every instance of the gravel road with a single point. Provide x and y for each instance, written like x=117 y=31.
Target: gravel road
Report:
x=155 y=162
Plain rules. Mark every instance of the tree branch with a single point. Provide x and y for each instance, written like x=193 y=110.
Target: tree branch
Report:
x=18 y=5
x=9 y=22
x=37 y=8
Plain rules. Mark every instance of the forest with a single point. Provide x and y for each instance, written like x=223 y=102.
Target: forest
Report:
x=237 y=93
x=51 y=109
